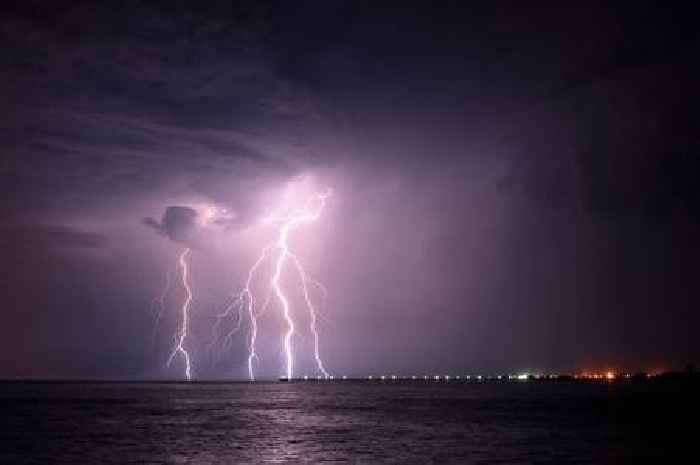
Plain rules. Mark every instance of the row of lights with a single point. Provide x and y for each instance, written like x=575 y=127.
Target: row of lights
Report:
x=329 y=378
x=610 y=376
x=524 y=376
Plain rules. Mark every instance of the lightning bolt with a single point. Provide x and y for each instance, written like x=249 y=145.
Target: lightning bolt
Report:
x=185 y=323
x=280 y=253
x=244 y=302
x=312 y=312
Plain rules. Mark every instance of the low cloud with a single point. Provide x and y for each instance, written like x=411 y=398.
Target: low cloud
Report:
x=179 y=224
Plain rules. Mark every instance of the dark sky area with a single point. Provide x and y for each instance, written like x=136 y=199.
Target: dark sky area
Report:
x=515 y=184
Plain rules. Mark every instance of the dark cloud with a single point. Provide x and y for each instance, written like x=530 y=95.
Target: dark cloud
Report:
x=179 y=224
x=107 y=103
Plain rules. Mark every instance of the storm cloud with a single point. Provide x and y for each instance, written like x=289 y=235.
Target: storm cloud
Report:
x=513 y=188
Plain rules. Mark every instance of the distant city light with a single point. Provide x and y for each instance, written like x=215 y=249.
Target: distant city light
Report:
x=609 y=376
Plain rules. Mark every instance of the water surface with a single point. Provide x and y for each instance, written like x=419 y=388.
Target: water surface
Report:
x=346 y=422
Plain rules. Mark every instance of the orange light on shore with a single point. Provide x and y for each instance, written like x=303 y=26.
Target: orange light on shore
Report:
x=610 y=375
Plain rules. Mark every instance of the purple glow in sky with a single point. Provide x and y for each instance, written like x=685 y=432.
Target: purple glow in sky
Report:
x=513 y=189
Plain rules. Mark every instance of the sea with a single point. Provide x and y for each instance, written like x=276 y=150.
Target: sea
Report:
x=346 y=422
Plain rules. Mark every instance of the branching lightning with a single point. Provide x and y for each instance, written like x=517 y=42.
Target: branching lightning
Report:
x=185 y=321
x=312 y=313
x=245 y=304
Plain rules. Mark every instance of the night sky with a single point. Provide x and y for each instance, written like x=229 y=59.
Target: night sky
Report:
x=514 y=186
